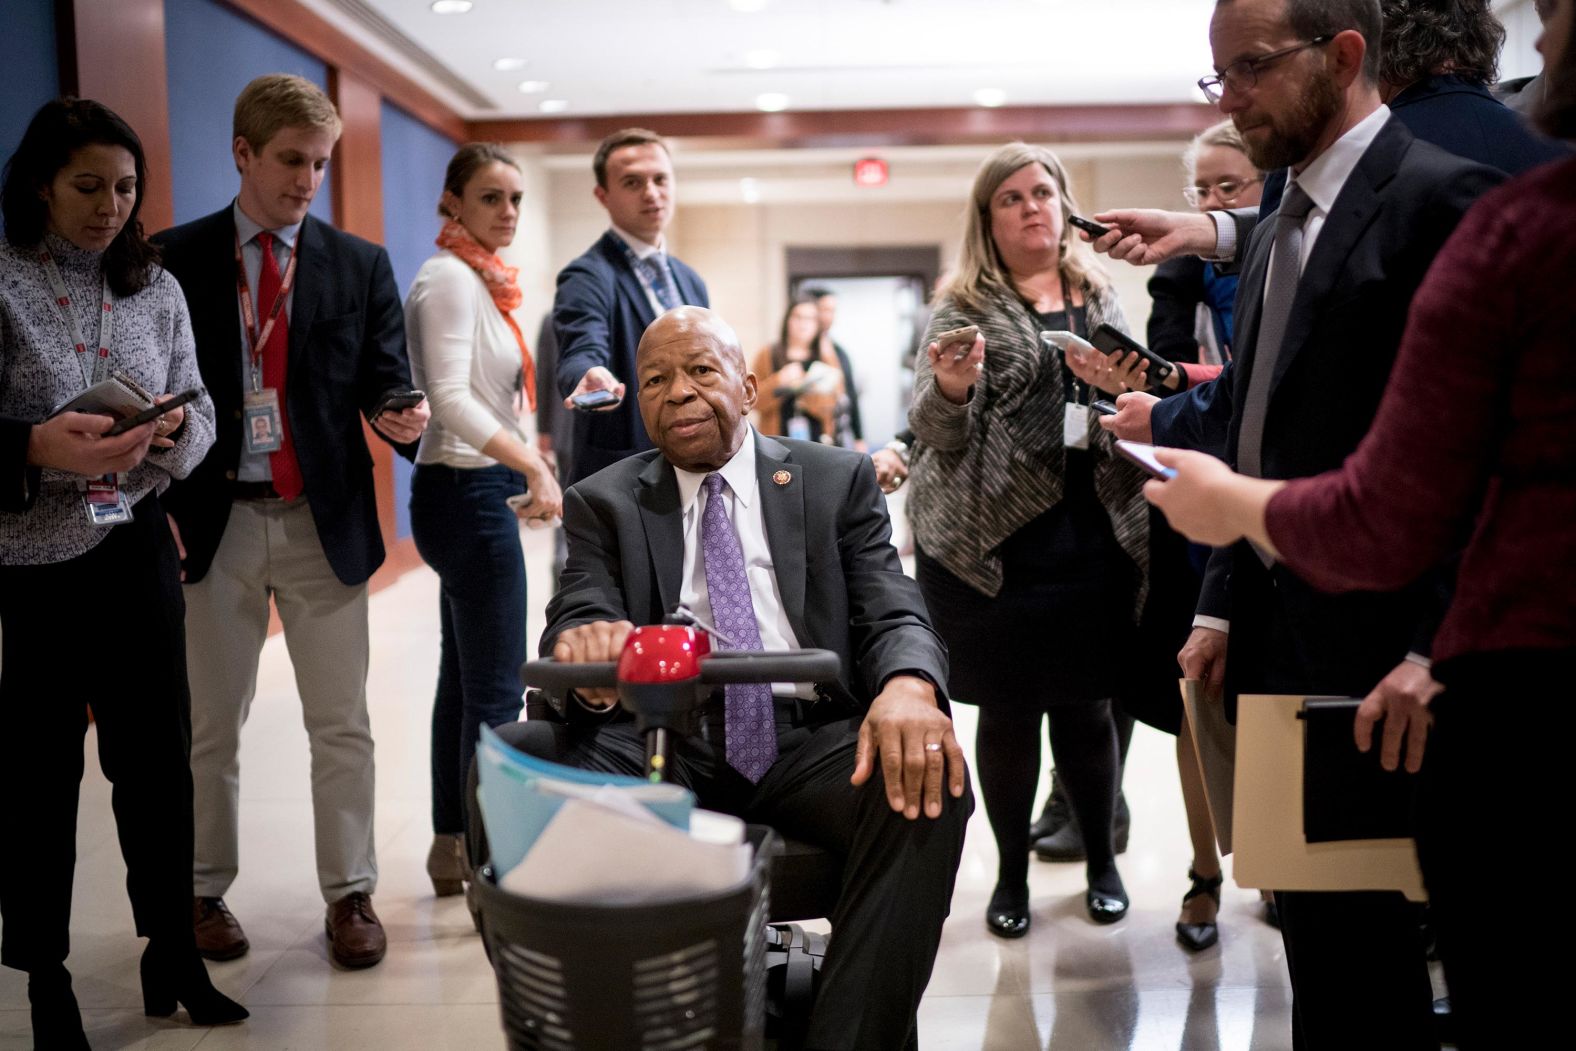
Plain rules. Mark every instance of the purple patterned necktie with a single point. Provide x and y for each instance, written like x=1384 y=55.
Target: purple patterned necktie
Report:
x=750 y=728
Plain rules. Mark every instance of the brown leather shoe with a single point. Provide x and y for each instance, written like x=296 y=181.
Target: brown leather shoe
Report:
x=355 y=937
x=219 y=934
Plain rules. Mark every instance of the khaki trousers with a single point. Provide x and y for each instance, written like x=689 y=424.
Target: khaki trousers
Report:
x=271 y=547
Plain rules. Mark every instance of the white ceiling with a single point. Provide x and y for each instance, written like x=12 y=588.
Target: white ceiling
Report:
x=654 y=56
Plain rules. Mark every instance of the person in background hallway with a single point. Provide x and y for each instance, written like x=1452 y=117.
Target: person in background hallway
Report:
x=1031 y=535
x=866 y=766
x=468 y=353
x=826 y=307
x=295 y=521
x=608 y=296
x=1325 y=289
x=1476 y=434
x=803 y=389
x=76 y=269
x=1191 y=320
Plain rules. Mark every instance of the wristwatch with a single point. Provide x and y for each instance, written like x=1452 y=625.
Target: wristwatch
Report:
x=901 y=448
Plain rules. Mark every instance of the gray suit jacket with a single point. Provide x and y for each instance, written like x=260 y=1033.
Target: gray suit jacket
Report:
x=842 y=585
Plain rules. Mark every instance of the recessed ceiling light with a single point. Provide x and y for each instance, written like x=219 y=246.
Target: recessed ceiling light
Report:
x=749 y=190
x=450 y=7
x=771 y=102
x=991 y=97
x=533 y=87
x=761 y=58
x=748 y=7
x=507 y=65
x=553 y=105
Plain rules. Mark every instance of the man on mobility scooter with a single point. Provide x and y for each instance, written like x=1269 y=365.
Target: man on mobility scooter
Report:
x=780 y=544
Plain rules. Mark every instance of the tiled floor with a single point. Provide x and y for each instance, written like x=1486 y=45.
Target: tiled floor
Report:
x=1069 y=985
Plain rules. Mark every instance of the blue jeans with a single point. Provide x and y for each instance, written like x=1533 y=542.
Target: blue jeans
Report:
x=470 y=537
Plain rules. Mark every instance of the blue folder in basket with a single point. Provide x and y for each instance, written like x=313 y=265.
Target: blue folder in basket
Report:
x=520 y=794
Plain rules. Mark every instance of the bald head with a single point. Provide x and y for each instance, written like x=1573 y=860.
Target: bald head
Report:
x=694 y=391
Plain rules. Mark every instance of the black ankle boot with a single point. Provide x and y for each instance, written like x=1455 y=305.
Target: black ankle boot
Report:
x=1057 y=813
x=57 y=1023
x=178 y=977
x=1067 y=843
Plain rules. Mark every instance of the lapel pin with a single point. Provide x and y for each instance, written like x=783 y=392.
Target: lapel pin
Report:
x=782 y=477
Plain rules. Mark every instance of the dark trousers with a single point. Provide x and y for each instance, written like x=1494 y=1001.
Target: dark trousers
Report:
x=105 y=629
x=1359 y=970
x=1493 y=776
x=897 y=874
x=471 y=538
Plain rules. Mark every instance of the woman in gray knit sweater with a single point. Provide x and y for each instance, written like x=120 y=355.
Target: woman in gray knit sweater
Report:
x=1031 y=536
x=90 y=597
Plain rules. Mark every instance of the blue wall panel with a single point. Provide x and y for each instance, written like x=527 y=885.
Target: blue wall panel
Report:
x=414 y=159
x=211 y=54
x=32 y=72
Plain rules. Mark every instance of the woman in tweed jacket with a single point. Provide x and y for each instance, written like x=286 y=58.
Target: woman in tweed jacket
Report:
x=1032 y=536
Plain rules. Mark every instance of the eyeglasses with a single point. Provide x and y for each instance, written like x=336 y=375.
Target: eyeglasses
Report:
x=1243 y=74
x=1226 y=191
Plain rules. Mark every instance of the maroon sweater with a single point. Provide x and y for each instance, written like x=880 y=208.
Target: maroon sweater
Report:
x=1475 y=437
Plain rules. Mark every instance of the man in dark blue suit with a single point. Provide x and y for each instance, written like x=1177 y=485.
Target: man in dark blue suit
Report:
x=608 y=296
x=299 y=337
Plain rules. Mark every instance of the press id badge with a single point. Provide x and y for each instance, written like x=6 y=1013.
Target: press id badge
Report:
x=105 y=502
x=1075 y=426
x=260 y=412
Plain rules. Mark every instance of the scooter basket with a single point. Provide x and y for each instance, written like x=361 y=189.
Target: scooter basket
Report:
x=676 y=976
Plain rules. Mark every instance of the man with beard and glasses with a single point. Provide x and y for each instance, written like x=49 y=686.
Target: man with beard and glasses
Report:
x=1320 y=310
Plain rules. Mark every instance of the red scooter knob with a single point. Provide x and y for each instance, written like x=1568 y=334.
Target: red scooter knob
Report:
x=662 y=653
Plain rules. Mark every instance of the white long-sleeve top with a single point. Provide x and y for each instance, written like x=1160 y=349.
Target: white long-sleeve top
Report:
x=463 y=354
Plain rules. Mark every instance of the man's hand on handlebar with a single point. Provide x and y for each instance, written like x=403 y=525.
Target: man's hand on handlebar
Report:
x=915 y=745
x=601 y=640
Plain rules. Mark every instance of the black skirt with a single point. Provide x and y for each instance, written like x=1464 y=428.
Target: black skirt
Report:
x=1062 y=626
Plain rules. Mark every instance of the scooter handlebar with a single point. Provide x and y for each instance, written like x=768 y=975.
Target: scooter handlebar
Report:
x=719 y=668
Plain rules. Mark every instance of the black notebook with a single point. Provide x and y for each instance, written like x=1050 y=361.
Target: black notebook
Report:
x=1346 y=794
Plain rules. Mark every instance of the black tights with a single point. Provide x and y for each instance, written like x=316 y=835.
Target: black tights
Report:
x=1007 y=763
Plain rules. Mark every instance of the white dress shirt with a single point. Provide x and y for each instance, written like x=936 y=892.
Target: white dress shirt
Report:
x=645 y=250
x=741 y=498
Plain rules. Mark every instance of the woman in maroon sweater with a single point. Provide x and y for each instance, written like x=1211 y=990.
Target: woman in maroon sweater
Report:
x=1475 y=445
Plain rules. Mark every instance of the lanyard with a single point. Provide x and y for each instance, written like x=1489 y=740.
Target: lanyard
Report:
x=91 y=373
x=259 y=340
x=652 y=298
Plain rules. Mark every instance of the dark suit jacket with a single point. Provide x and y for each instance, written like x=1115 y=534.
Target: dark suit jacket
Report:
x=1401 y=202
x=841 y=583
x=599 y=315
x=347 y=348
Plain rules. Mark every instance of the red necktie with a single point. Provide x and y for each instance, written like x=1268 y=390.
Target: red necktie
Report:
x=276 y=356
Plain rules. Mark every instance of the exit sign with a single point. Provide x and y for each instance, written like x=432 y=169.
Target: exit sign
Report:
x=870 y=171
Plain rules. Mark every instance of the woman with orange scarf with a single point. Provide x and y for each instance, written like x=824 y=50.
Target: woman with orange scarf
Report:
x=468 y=353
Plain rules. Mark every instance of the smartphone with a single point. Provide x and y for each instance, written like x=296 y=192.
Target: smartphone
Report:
x=1143 y=455
x=399 y=400
x=1109 y=340
x=1068 y=343
x=1103 y=407
x=594 y=400
x=1089 y=226
x=152 y=412
x=961 y=339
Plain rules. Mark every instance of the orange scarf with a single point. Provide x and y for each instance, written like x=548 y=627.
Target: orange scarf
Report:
x=501 y=285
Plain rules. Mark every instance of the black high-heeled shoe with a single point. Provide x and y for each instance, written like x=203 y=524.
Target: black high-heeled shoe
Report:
x=1196 y=937
x=1106 y=899
x=1007 y=915
x=171 y=980
x=57 y=1022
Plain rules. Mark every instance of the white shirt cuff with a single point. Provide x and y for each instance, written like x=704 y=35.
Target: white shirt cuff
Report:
x=1219 y=624
x=1420 y=660
x=1225 y=237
